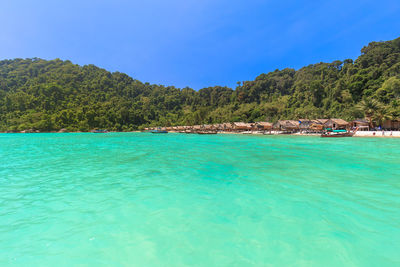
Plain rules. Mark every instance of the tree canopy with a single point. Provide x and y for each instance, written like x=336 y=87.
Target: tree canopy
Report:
x=49 y=95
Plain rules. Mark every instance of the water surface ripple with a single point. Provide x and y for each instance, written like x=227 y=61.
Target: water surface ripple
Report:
x=137 y=199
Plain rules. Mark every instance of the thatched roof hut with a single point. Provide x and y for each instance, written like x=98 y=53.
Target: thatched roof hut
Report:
x=305 y=124
x=287 y=125
x=336 y=124
x=322 y=121
x=228 y=126
x=263 y=125
x=393 y=125
x=238 y=126
x=315 y=126
x=208 y=127
x=361 y=124
x=217 y=126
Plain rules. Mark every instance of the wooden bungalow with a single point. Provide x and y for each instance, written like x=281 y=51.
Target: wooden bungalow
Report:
x=336 y=124
x=362 y=125
x=263 y=126
x=321 y=121
x=228 y=126
x=197 y=127
x=287 y=125
x=225 y=127
x=305 y=124
x=391 y=125
x=187 y=129
x=242 y=126
x=316 y=126
x=208 y=127
x=217 y=126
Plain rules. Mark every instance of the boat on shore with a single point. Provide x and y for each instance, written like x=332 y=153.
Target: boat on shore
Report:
x=159 y=131
x=100 y=131
x=338 y=133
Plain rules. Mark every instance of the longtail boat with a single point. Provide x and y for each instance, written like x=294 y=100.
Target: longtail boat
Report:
x=99 y=131
x=338 y=133
x=159 y=131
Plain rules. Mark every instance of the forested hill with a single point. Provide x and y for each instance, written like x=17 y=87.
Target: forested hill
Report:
x=50 y=95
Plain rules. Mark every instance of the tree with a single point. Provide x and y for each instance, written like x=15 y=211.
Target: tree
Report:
x=369 y=107
x=382 y=114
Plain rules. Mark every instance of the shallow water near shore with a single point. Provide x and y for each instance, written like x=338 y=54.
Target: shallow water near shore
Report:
x=141 y=199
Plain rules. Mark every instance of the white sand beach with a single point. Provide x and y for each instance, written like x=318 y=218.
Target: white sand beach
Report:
x=377 y=134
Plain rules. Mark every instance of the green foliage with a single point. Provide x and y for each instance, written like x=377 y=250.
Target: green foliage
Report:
x=50 y=95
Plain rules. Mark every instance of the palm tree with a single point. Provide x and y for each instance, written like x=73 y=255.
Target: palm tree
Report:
x=383 y=114
x=369 y=107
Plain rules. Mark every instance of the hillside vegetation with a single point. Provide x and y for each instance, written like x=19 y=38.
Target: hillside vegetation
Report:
x=50 y=95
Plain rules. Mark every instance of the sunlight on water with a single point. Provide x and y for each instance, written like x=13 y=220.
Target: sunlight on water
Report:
x=137 y=199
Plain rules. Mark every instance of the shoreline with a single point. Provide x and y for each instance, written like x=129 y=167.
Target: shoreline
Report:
x=379 y=134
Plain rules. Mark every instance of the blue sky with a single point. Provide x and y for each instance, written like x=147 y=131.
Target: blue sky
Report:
x=195 y=43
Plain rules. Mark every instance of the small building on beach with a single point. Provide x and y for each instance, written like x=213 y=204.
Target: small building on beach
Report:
x=242 y=126
x=287 y=125
x=305 y=125
x=316 y=126
x=321 y=121
x=208 y=127
x=263 y=126
x=336 y=124
x=227 y=127
x=391 y=125
x=361 y=124
x=197 y=127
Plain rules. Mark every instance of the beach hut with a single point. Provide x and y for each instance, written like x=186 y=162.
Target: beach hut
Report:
x=392 y=125
x=305 y=125
x=187 y=129
x=225 y=127
x=208 y=127
x=228 y=126
x=197 y=127
x=321 y=121
x=361 y=124
x=242 y=126
x=263 y=126
x=287 y=125
x=217 y=126
x=316 y=126
x=336 y=124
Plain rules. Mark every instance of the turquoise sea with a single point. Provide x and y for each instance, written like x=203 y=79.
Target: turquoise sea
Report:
x=141 y=199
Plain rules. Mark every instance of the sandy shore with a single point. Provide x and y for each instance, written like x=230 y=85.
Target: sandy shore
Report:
x=377 y=134
x=387 y=134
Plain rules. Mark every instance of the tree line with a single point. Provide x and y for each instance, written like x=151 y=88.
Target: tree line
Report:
x=48 y=95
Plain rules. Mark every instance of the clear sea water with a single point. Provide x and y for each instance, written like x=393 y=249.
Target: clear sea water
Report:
x=140 y=199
